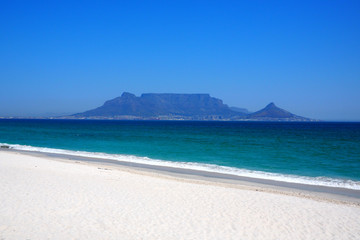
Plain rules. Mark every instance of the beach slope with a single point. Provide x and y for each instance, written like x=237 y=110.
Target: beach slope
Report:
x=46 y=198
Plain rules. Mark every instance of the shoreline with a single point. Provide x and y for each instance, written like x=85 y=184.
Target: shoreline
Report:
x=320 y=193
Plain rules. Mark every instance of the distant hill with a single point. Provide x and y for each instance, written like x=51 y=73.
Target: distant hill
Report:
x=240 y=110
x=170 y=106
x=272 y=112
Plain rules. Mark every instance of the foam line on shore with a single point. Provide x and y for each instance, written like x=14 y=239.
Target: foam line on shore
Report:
x=315 y=181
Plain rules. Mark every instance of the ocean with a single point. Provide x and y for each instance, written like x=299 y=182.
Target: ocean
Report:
x=315 y=153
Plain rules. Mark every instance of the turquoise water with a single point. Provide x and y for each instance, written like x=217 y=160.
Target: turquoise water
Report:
x=315 y=151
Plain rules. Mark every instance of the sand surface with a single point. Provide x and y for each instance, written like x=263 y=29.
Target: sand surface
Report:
x=50 y=199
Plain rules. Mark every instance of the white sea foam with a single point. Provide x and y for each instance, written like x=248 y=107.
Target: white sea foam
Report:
x=317 y=181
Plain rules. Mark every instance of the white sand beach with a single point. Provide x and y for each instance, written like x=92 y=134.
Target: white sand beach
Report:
x=46 y=198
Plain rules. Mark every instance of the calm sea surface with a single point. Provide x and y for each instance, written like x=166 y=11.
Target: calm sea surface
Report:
x=313 y=152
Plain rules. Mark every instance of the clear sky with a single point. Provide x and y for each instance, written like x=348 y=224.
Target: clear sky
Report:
x=62 y=57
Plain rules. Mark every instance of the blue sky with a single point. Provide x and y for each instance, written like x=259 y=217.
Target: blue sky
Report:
x=60 y=57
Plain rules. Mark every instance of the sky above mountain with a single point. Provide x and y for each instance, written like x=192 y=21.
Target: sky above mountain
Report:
x=64 y=57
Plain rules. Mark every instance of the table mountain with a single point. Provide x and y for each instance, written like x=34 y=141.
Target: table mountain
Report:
x=165 y=105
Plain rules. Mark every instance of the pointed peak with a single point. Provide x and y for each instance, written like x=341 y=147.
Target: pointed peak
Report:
x=272 y=111
x=271 y=105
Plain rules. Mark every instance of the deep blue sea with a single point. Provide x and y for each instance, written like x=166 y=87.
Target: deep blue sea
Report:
x=319 y=153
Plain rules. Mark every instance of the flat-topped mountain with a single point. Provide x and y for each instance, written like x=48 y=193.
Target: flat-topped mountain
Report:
x=164 y=106
x=170 y=106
